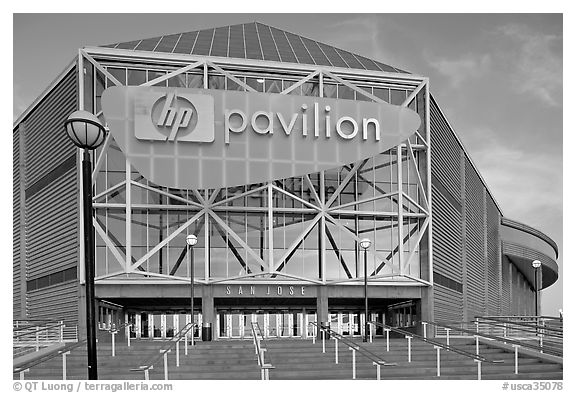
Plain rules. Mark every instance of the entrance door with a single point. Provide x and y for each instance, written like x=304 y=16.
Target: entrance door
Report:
x=158 y=325
x=284 y=324
x=259 y=318
x=235 y=325
x=310 y=330
x=272 y=325
x=357 y=324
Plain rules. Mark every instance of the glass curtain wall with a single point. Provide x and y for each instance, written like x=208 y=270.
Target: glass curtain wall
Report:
x=301 y=228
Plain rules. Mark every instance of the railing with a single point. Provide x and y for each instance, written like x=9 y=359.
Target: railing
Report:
x=515 y=343
x=173 y=342
x=549 y=338
x=114 y=330
x=70 y=341
x=514 y=333
x=352 y=346
x=25 y=367
x=437 y=346
x=261 y=350
x=27 y=338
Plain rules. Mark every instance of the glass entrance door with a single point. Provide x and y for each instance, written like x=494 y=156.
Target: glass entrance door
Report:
x=309 y=330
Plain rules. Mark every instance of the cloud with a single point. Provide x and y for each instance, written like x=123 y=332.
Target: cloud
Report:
x=537 y=57
x=526 y=184
x=366 y=35
x=20 y=101
x=461 y=69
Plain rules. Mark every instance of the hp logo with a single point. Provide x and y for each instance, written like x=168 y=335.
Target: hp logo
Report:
x=171 y=117
x=176 y=113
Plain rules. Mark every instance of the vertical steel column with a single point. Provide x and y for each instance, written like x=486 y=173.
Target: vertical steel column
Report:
x=323 y=228
x=429 y=184
x=270 y=229
x=365 y=339
x=400 y=209
x=191 y=259
x=89 y=266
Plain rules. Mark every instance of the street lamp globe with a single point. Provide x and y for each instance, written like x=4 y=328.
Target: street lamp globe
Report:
x=365 y=243
x=536 y=264
x=191 y=240
x=85 y=130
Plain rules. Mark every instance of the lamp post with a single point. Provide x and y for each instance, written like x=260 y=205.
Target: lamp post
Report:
x=191 y=240
x=87 y=132
x=536 y=264
x=365 y=244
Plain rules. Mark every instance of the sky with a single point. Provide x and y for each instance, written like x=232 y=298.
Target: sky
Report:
x=497 y=77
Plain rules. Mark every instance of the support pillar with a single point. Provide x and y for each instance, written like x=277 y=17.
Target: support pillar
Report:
x=322 y=307
x=425 y=309
x=208 y=314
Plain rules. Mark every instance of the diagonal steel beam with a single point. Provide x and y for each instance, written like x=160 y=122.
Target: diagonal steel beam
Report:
x=297 y=241
x=310 y=205
x=100 y=68
x=414 y=93
x=230 y=76
x=394 y=251
x=357 y=166
x=166 y=240
x=232 y=248
x=300 y=82
x=184 y=250
x=235 y=236
x=352 y=235
x=337 y=252
x=173 y=73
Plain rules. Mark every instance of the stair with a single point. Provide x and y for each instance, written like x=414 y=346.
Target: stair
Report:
x=296 y=359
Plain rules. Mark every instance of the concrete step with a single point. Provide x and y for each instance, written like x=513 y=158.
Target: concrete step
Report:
x=295 y=359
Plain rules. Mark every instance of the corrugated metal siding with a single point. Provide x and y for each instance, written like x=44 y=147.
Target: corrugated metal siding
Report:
x=506 y=308
x=52 y=227
x=448 y=304
x=493 y=261
x=56 y=302
x=46 y=142
x=474 y=242
x=447 y=257
x=447 y=237
x=445 y=152
x=520 y=250
x=16 y=220
x=522 y=299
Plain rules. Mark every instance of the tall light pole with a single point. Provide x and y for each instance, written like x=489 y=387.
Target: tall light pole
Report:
x=365 y=244
x=191 y=240
x=87 y=132
x=536 y=264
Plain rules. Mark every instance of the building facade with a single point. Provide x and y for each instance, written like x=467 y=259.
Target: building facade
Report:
x=284 y=251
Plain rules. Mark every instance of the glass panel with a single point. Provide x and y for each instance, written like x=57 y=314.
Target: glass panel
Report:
x=156 y=74
x=144 y=325
x=170 y=325
x=157 y=327
x=136 y=77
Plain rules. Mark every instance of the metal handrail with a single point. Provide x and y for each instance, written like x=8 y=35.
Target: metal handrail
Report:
x=495 y=320
x=65 y=350
x=523 y=316
x=32 y=323
x=58 y=324
x=173 y=342
x=61 y=351
x=437 y=346
x=260 y=350
x=447 y=347
x=353 y=346
x=505 y=340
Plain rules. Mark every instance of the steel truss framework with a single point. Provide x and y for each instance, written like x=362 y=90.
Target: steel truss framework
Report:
x=205 y=205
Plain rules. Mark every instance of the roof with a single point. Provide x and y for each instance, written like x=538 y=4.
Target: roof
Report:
x=255 y=41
